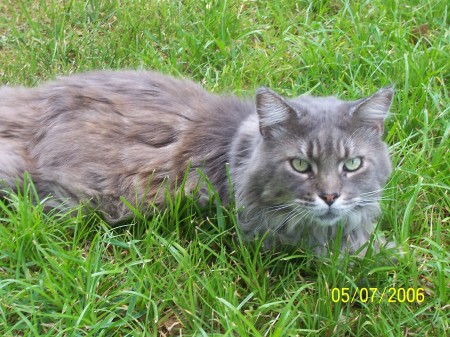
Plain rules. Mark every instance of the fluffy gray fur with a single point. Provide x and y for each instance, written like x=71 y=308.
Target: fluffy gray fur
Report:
x=100 y=136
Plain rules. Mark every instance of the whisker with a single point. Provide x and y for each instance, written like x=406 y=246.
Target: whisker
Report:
x=271 y=210
x=292 y=215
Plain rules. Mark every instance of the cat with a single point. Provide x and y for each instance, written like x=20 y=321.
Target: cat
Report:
x=299 y=167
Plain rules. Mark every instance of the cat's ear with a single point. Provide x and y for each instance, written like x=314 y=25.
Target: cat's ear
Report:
x=373 y=110
x=273 y=110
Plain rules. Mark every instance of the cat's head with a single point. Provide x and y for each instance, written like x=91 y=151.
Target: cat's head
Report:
x=320 y=157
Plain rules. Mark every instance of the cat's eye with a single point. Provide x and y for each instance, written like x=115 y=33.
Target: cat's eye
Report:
x=352 y=164
x=300 y=165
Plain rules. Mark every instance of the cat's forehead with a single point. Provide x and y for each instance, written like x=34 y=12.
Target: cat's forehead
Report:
x=321 y=107
x=323 y=114
x=324 y=129
x=321 y=144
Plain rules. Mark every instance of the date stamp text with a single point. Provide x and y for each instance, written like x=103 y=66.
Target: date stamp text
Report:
x=377 y=295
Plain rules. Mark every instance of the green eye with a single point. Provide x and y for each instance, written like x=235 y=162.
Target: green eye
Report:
x=300 y=165
x=352 y=164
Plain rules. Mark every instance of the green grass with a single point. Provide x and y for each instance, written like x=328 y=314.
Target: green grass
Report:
x=184 y=272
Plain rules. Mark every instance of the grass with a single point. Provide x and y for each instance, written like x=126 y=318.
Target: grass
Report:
x=184 y=272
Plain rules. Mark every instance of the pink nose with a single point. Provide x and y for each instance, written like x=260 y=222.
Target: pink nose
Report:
x=329 y=198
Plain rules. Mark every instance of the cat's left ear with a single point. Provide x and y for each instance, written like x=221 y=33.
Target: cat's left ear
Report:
x=373 y=110
x=273 y=111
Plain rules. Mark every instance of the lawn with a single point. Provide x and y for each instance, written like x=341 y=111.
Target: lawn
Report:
x=185 y=271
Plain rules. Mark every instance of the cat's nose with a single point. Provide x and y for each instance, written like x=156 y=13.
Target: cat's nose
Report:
x=329 y=198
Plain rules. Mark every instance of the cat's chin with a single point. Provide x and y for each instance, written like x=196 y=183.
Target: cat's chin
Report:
x=328 y=219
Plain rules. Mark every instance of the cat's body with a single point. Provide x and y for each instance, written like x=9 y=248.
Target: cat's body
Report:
x=298 y=167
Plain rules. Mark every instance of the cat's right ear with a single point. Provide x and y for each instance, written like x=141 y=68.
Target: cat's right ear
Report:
x=273 y=111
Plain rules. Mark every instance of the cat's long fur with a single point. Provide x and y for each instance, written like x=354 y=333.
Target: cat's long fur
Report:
x=104 y=135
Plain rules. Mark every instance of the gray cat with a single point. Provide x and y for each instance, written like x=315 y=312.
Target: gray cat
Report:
x=299 y=167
